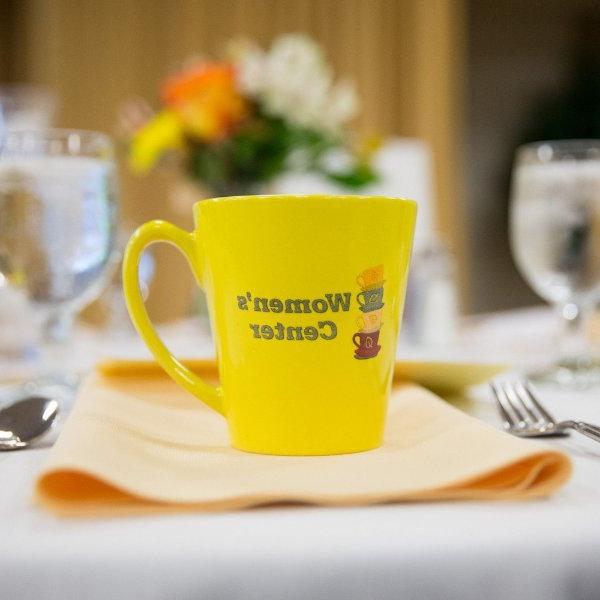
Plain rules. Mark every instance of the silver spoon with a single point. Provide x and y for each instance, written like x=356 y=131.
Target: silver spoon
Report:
x=26 y=420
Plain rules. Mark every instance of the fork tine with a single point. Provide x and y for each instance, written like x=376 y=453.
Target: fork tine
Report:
x=503 y=405
x=545 y=414
x=517 y=405
x=522 y=396
x=532 y=407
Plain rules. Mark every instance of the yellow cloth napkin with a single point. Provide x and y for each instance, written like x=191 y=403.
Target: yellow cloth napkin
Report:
x=137 y=443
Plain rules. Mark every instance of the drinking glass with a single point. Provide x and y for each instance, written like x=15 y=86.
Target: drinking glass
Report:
x=24 y=106
x=555 y=239
x=58 y=205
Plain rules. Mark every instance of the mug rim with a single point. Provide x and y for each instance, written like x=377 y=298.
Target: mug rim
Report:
x=309 y=197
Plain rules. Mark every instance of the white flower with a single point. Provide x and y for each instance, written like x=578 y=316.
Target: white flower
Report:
x=249 y=59
x=293 y=81
x=343 y=102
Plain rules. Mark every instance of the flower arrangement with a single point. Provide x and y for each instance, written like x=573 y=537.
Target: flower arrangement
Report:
x=237 y=124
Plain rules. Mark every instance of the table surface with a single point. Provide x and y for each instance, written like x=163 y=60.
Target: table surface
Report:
x=547 y=549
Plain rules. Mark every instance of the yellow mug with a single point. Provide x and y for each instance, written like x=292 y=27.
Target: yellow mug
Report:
x=279 y=274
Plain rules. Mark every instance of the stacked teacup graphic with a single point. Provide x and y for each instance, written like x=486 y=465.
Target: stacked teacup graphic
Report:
x=370 y=301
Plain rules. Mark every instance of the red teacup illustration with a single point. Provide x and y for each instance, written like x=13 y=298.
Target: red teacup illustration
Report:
x=366 y=344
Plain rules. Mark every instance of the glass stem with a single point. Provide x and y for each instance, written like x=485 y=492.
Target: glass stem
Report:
x=56 y=332
x=574 y=343
x=58 y=328
x=54 y=375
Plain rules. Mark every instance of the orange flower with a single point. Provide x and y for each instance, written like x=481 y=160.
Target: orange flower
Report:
x=206 y=100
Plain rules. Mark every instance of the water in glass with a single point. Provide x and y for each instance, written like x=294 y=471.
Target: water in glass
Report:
x=555 y=238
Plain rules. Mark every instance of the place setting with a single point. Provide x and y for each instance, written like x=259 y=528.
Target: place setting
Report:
x=234 y=305
x=309 y=389
x=328 y=418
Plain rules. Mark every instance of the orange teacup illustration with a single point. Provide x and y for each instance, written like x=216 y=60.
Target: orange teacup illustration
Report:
x=370 y=322
x=371 y=278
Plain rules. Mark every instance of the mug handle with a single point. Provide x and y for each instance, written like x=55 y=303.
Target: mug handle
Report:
x=356 y=335
x=150 y=233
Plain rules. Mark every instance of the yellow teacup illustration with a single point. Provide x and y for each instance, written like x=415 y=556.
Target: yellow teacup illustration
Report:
x=371 y=278
x=370 y=322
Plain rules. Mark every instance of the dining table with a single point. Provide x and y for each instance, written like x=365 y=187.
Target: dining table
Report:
x=542 y=549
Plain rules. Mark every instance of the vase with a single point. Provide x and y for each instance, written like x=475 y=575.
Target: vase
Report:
x=186 y=192
x=182 y=197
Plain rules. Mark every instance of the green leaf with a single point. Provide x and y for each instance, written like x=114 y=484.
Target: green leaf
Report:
x=355 y=178
x=260 y=150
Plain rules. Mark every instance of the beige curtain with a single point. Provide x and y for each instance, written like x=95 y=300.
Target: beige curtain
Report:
x=405 y=55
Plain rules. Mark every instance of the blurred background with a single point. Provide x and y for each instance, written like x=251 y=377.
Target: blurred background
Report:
x=469 y=79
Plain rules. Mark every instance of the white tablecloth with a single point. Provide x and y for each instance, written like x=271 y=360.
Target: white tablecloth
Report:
x=547 y=549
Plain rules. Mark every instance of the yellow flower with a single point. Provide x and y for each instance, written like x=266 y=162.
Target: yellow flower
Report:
x=164 y=132
x=369 y=146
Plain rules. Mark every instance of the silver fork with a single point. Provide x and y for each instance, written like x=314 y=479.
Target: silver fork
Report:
x=523 y=415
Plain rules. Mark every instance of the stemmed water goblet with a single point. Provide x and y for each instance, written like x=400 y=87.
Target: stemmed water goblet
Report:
x=555 y=239
x=26 y=107
x=58 y=209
